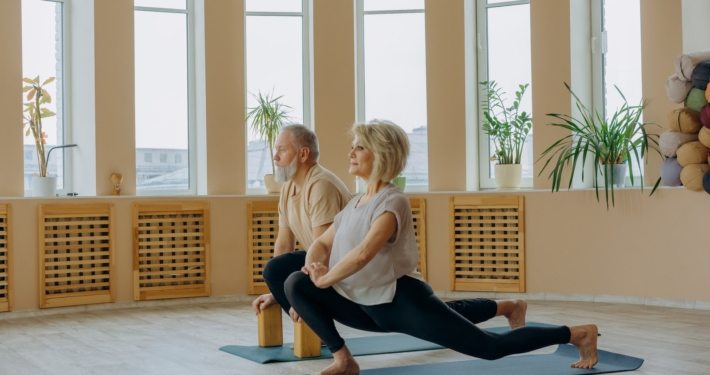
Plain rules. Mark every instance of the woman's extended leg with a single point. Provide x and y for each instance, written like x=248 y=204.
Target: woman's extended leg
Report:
x=416 y=311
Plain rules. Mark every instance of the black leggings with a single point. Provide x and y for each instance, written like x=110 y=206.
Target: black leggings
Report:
x=416 y=311
x=278 y=269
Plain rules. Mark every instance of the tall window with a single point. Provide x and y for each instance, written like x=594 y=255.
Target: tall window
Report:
x=617 y=56
x=277 y=64
x=164 y=96
x=391 y=75
x=43 y=56
x=503 y=42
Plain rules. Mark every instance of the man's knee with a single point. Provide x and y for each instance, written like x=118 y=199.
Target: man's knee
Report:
x=279 y=268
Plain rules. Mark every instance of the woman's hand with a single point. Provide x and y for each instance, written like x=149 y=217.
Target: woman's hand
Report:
x=316 y=271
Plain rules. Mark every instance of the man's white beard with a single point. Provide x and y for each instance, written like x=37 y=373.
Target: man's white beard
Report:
x=285 y=174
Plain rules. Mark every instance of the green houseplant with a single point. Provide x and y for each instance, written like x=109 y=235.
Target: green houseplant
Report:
x=267 y=118
x=608 y=142
x=508 y=127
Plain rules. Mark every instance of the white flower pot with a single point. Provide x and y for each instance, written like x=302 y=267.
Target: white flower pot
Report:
x=272 y=186
x=619 y=172
x=508 y=176
x=44 y=186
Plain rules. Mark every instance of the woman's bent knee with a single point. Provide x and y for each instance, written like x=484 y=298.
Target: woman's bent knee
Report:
x=296 y=283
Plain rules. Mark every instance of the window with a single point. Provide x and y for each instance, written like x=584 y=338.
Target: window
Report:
x=165 y=100
x=278 y=64
x=178 y=159
x=43 y=55
x=503 y=43
x=617 y=58
x=391 y=75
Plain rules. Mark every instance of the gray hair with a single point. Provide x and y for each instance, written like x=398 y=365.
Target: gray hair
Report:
x=301 y=137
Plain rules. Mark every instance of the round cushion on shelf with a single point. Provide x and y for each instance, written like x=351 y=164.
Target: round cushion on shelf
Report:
x=692 y=153
x=705 y=116
x=706 y=182
x=692 y=176
x=704 y=136
x=669 y=141
x=684 y=120
x=696 y=99
x=670 y=172
x=707 y=94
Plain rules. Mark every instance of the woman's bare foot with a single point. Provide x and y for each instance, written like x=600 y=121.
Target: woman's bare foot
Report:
x=585 y=339
x=344 y=364
x=514 y=310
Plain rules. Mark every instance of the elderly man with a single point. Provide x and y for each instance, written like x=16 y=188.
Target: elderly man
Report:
x=310 y=198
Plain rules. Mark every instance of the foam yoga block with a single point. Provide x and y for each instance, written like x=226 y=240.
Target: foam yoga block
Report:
x=704 y=136
x=692 y=153
x=684 y=120
x=670 y=172
x=692 y=176
x=696 y=99
x=701 y=75
x=669 y=141
x=705 y=116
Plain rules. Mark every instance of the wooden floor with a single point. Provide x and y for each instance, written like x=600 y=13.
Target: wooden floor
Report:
x=185 y=340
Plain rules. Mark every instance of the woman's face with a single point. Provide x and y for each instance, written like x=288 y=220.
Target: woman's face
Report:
x=361 y=160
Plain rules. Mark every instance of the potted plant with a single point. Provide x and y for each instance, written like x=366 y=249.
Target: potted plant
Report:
x=267 y=118
x=34 y=112
x=508 y=128
x=608 y=142
x=400 y=181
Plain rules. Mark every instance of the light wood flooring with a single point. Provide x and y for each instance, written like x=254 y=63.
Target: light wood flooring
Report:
x=185 y=340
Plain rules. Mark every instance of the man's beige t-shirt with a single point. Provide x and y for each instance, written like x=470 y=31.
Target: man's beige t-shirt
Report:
x=323 y=195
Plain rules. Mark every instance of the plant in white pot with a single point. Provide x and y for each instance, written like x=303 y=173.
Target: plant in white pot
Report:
x=267 y=118
x=34 y=112
x=608 y=142
x=508 y=128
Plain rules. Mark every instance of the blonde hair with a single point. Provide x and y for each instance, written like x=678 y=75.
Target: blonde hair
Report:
x=390 y=145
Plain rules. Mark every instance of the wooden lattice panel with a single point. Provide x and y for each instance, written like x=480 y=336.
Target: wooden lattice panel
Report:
x=5 y=245
x=263 y=228
x=488 y=244
x=76 y=245
x=171 y=250
x=419 y=218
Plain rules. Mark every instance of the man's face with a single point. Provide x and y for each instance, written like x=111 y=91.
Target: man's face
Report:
x=285 y=157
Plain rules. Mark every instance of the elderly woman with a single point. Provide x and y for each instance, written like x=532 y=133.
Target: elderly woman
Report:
x=362 y=272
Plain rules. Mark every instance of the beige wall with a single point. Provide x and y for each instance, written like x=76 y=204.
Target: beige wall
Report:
x=11 y=142
x=115 y=95
x=640 y=248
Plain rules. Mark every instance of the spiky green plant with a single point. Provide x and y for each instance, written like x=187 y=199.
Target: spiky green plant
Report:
x=606 y=141
x=507 y=127
x=267 y=118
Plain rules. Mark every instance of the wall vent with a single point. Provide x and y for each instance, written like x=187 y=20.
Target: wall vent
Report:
x=487 y=244
x=5 y=258
x=171 y=250
x=76 y=245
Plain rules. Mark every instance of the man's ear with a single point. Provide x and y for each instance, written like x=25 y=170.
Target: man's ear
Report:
x=304 y=154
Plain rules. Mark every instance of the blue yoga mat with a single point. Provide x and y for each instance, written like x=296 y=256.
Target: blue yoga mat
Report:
x=396 y=343
x=557 y=363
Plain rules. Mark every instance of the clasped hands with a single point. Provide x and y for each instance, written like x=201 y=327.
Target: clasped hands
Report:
x=317 y=272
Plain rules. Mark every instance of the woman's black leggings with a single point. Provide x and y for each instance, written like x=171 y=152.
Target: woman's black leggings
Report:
x=278 y=269
x=415 y=311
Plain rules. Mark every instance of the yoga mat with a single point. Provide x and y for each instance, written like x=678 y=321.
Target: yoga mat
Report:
x=396 y=343
x=556 y=363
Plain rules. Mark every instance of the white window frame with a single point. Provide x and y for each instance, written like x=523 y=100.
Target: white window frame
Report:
x=68 y=180
x=191 y=102
x=599 y=49
x=360 y=75
x=484 y=152
x=306 y=55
